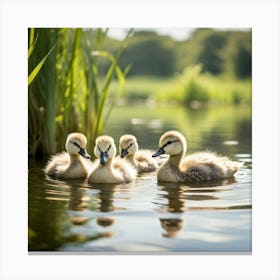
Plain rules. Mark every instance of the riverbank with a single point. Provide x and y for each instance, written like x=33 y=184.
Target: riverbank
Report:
x=189 y=87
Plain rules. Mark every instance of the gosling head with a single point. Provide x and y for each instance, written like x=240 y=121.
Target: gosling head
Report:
x=172 y=143
x=128 y=145
x=105 y=148
x=76 y=145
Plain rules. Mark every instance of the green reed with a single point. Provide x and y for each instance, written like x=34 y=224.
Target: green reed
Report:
x=41 y=92
x=68 y=93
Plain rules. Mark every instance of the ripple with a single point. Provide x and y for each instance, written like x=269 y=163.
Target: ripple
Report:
x=243 y=155
x=56 y=198
x=231 y=143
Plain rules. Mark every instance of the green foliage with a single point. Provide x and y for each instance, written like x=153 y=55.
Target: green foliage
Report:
x=209 y=56
x=38 y=67
x=192 y=85
x=42 y=94
x=140 y=88
x=217 y=51
x=81 y=73
x=69 y=95
x=206 y=88
x=149 y=54
x=193 y=89
x=220 y=52
x=243 y=62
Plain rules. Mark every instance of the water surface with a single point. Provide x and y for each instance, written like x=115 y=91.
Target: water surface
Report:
x=146 y=216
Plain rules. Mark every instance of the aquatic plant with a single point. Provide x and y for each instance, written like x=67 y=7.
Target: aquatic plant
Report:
x=32 y=44
x=68 y=94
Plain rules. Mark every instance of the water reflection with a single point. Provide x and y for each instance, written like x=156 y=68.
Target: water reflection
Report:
x=46 y=212
x=172 y=226
x=105 y=221
x=50 y=225
x=78 y=202
x=171 y=200
x=106 y=196
x=96 y=198
x=173 y=197
x=106 y=203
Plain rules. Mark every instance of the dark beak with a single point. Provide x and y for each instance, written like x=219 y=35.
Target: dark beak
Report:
x=124 y=152
x=83 y=153
x=103 y=157
x=159 y=152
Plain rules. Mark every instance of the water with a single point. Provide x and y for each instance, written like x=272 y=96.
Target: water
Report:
x=146 y=216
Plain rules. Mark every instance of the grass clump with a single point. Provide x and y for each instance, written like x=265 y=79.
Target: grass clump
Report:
x=206 y=88
x=194 y=86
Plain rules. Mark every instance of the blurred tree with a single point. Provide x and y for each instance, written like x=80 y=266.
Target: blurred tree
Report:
x=210 y=56
x=237 y=54
x=220 y=52
x=226 y=53
x=150 y=54
x=243 y=62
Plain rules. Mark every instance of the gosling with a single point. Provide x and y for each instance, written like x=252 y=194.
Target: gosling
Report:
x=201 y=166
x=70 y=164
x=110 y=169
x=142 y=159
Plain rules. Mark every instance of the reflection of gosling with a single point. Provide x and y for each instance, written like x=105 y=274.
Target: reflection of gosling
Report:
x=142 y=159
x=172 y=226
x=202 y=166
x=110 y=169
x=70 y=165
x=105 y=221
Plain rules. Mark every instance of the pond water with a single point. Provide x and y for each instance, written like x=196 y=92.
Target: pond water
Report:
x=146 y=216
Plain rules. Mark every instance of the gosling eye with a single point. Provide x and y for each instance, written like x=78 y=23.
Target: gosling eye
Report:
x=168 y=143
x=76 y=144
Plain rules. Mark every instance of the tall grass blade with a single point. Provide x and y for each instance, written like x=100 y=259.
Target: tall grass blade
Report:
x=105 y=89
x=36 y=70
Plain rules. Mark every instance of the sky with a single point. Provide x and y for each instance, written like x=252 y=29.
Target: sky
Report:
x=175 y=33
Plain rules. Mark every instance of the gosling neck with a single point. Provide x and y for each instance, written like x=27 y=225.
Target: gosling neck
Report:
x=75 y=158
x=108 y=164
x=131 y=159
x=175 y=160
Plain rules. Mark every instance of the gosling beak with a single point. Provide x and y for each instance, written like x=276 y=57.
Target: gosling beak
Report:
x=103 y=157
x=159 y=152
x=124 y=152
x=83 y=153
